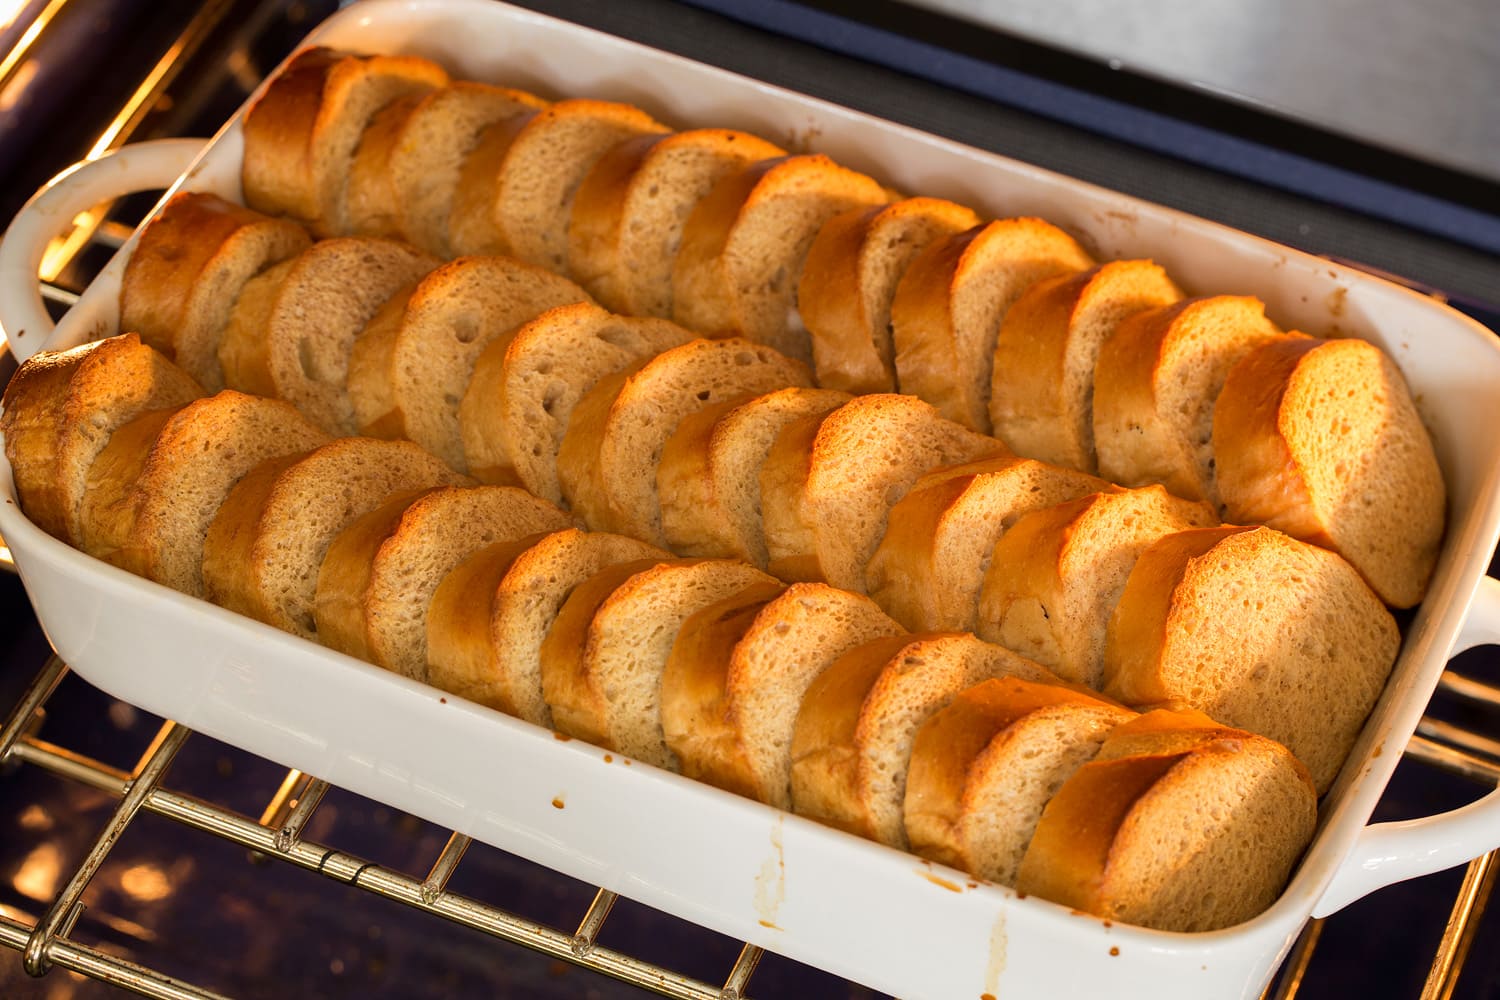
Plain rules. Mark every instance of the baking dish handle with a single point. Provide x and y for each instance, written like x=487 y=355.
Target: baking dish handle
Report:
x=1387 y=853
x=141 y=166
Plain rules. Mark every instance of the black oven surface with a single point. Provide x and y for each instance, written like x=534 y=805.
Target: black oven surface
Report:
x=201 y=914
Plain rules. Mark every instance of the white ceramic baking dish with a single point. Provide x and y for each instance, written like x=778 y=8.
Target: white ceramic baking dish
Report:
x=866 y=912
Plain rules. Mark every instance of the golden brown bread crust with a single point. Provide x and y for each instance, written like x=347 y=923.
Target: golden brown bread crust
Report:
x=949 y=758
x=1156 y=385
x=619 y=249
x=1057 y=573
x=410 y=366
x=472 y=228
x=266 y=543
x=434 y=143
x=951 y=301
x=727 y=280
x=60 y=409
x=107 y=520
x=1068 y=858
x=825 y=761
x=168 y=258
x=344 y=577
x=228 y=549
x=825 y=506
x=373 y=204
x=1373 y=492
x=153 y=496
x=578 y=706
x=598 y=214
x=278 y=131
x=1042 y=386
x=1193 y=837
x=694 y=690
x=524 y=172
x=460 y=649
x=930 y=565
x=705 y=510
x=850 y=277
x=852 y=742
x=32 y=414
x=301 y=135
x=1259 y=630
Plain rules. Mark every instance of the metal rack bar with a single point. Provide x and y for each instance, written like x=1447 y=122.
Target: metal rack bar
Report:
x=1458 y=935
x=46 y=943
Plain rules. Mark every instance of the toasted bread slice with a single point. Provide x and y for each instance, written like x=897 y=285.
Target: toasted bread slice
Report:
x=516 y=408
x=829 y=482
x=155 y=488
x=302 y=133
x=60 y=409
x=430 y=149
x=608 y=458
x=938 y=540
x=516 y=187
x=709 y=476
x=952 y=300
x=265 y=545
x=853 y=737
x=738 y=670
x=187 y=271
x=372 y=203
x=379 y=574
x=293 y=329
x=1056 y=575
x=628 y=216
x=983 y=769
x=491 y=612
x=744 y=245
x=1042 y=389
x=1156 y=383
x=603 y=658
x=410 y=368
x=850 y=277
x=1260 y=631
x=1195 y=839
x=1322 y=440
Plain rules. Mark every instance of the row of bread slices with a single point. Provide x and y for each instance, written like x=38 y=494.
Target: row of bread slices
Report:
x=483 y=361
x=1106 y=587
x=1000 y=324
x=803 y=696
x=695 y=446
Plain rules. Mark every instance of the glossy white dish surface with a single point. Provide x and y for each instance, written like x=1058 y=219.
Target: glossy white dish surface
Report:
x=872 y=914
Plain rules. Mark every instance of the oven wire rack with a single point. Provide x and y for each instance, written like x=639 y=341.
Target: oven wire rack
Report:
x=46 y=942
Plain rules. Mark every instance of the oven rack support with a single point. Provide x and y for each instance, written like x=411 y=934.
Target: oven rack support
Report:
x=45 y=942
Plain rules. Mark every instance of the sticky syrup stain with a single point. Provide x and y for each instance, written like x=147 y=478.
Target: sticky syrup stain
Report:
x=942 y=883
x=561 y=737
x=1114 y=951
x=442 y=701
x=609 y=758
x=770 y=883
x=558 y=803
x=999 y=946
x=1337 y=299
